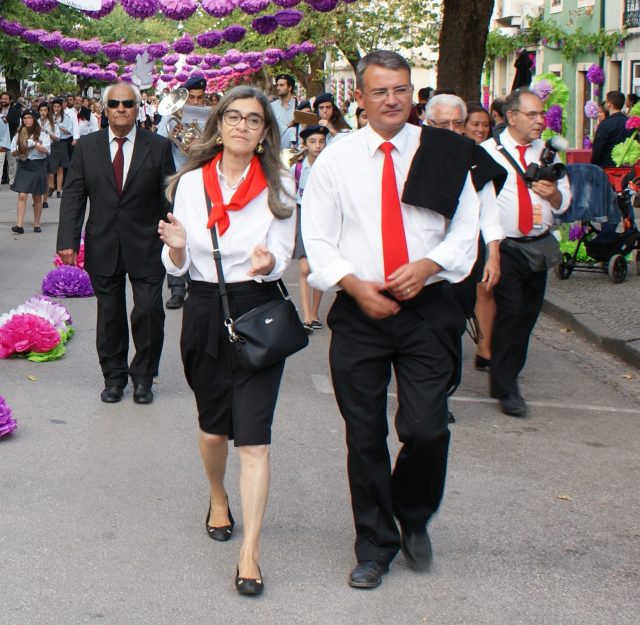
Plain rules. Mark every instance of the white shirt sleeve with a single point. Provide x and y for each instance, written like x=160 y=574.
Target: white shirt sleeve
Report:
x=489 y=215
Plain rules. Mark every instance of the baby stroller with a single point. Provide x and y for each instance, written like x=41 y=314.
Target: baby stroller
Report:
x=601 y=196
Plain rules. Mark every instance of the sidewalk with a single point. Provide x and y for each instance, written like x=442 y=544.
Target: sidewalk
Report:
x=587 y=303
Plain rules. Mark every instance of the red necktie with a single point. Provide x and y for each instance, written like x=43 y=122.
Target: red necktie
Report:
x=525 y=208
x=394 y=243
x=118 y=164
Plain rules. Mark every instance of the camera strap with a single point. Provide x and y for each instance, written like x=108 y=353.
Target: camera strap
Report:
x=512 y=161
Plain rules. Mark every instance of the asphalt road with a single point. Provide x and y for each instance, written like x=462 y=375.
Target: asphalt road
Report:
x=102 y=506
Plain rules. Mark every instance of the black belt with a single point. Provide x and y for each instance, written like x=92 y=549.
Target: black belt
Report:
x=546 y=233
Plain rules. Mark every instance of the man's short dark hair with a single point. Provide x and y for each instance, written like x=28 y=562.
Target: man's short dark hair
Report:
x=425 y=93
x=381 y=58
x=512 y=101
x=616 y=99
x=497 y=107
x=5 y=93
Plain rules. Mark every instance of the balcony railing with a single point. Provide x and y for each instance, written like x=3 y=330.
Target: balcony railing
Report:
x=631 y=18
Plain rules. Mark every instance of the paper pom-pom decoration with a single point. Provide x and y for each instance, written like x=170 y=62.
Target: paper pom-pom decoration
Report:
x=553 y=118
x=233 y=33
x=67 y=281
x=323 y=6
x=7 y=422
x=591 y=109
x=633 y=123
x=287 y=4
x=626 y=153
x=587 y=144
x=27 y=332
x=41 y=6
x=105 y=9
x=218 y=8
x=209 y=39
x=542 y=89
x=253 y=6
x=178 y=9
x=288 y=18
x=184 y=45
x=265 y=24
x=140 y=9
x=595 y=75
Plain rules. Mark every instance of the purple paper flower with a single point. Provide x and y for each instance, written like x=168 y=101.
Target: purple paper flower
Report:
x=107 y=7
x=323 y=6
x=169 y=69
x=112 y=50
x=209 y=39
x=184 y=45
x=232 y=56
x=234 y=33
x=131 y=51
x=542 y=89
x=212 y=59
x=253 y=6
x=586 y=143
x=264 y=25
x=111 y=67
x=178 y=9
x=140 y=9
x=553 y=118
x=182 y=76
x=241 y=67
x=306 y=47
x=166 y=77
x=67 y=281
x=7 y=422
x=218 y=8
x=41 y=6
x=194 y=59
x=69 y=44
x=288 y=18
x=90 y=47
x=287 y=4
x=76 y=64
x=171 y=59
x=576 y=232
x=48 y=309
x=33 y=36
x=272 y=54
x=157 y=50
x=591 y=109
x=13 y=29
x=51 y=40
x=595 y=74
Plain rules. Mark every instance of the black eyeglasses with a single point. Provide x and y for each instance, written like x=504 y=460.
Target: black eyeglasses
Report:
x=114 y=104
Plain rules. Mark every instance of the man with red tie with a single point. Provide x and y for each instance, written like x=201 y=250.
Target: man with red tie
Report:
x=390 y=261
x=122 y=171
x=526 y=214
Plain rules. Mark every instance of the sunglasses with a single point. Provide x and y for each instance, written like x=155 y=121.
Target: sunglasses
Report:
x=114 y=104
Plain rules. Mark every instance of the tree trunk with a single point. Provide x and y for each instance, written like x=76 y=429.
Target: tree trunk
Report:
x=13 y=87
x=462 y=46
x=313 y=82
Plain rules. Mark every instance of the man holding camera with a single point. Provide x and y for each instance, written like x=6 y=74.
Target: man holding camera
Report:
x=527 y=209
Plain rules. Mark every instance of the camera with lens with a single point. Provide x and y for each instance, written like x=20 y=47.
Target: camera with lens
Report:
x=547 y=169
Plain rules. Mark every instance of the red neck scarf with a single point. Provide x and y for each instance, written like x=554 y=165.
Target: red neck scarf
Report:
x=252 y=186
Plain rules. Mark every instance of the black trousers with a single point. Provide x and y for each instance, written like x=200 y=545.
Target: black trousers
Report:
x=178 y=284
x=422 y=344
x=112 y=329
x=519 y=296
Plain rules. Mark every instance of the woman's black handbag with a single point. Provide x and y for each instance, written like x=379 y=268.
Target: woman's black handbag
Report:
x=266 y=334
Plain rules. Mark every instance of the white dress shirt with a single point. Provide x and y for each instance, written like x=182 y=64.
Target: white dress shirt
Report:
x=72 y=117
x=33 y=154
x=284 y=116
x=341 y=214
x=250 y=226
x=508 y=197
x=489 y=214
x=304 y=176
x=65 y=125
x=5 y=135
x=127 y=150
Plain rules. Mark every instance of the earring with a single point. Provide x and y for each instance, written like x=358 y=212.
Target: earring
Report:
x=259 y=148
x=218 y=140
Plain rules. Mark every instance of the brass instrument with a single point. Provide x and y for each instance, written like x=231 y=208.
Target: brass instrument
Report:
x=180 y=132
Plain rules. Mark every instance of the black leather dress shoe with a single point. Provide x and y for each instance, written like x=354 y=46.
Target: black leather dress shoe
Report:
x=174 y=302
x=367 y=574
x=248 y=586
x=222 y=533
x=514 y=406
x=417 y=550
x=142 y=394
x=482 y=364
x=111 y=394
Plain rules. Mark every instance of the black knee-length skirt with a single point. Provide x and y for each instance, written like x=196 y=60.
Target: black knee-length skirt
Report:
x=31 y=176
x=231 y=401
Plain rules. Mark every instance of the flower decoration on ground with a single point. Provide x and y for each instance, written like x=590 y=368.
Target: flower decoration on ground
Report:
x=67 y=281
x=37 y=330
x=7 y=422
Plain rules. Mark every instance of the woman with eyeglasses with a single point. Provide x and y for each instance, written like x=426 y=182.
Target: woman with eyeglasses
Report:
x=236 y=168
x=30 y=146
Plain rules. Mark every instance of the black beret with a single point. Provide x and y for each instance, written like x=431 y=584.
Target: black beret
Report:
x=324 y=97
x=195 y=82
x=313 y=130
x=30 y=112
x=288 y=77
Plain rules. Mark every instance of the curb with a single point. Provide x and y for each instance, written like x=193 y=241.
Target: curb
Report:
x=624 y=346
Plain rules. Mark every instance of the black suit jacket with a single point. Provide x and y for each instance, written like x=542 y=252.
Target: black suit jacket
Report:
x=126 y=226
x=609 y=133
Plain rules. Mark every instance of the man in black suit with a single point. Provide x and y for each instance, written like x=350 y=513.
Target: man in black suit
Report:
x=122 y=171
x=611 y=130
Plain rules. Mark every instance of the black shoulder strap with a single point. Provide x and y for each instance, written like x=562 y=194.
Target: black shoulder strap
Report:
x=512 y=161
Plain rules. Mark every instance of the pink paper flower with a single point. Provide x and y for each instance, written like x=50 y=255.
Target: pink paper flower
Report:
x=27 y=333
x=633 y=123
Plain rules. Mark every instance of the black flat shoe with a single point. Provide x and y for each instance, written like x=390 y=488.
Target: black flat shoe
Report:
x=58 y=193
x=17 y=229
x=514 y=406
x=367 y=574
x=417 y=550
x=482 y=364
x=175 y=302
x=111 y=394
x=223 y=533
x=248 y=586
x=142 y=394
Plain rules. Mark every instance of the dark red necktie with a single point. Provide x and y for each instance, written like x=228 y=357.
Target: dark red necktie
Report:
x=394 y=243
x=525 y=208
x=118 y=164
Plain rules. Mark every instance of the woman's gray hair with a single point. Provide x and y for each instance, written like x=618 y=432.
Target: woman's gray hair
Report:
x=136 y=92
x=207 y=147
x=445 y=99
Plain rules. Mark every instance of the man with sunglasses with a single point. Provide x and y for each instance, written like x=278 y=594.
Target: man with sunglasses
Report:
x=122 y=171
x=390 y=260
x=526 y=216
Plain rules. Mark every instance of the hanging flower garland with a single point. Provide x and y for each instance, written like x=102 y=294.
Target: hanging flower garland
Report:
x=37 y=330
